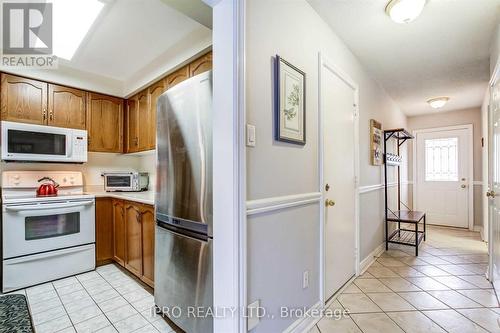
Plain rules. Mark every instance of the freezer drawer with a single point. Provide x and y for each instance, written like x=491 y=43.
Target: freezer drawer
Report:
x=183 y=279
x=43 y=267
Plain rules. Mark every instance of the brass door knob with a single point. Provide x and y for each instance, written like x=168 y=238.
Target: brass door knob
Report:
x=329 y=203
x=490 y=194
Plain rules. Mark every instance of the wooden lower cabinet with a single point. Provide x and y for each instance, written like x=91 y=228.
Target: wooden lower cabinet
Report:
x=119 y=228
x=128 y=239
x=148 y=244
x=104 y=230
x=133 y=260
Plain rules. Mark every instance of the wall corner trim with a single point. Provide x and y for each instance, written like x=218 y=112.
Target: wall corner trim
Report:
x=278 y=203
x=305 y=323
x=370 y=259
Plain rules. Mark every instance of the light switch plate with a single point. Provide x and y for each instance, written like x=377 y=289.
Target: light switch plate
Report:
x=253 y=315
x=250 y=135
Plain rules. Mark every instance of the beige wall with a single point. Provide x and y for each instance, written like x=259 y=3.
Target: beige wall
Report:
x=97 y=163
x=459 y=117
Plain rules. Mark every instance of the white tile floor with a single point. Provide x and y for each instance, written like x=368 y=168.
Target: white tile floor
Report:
x=106 y=300
x=444 y=289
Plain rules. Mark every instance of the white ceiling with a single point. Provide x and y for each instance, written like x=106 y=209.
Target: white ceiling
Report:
x=130 y=34
x=444 y=52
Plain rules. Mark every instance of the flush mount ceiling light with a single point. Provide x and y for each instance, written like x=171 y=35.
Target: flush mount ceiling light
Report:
x=404 y=11
x=438 y=102
x=72 y=21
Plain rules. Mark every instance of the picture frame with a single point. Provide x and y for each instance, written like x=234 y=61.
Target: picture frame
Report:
x=376 y=137
x=290 y=96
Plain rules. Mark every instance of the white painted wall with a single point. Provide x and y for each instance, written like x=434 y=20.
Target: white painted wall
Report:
x=495 y=49
x=282 y=244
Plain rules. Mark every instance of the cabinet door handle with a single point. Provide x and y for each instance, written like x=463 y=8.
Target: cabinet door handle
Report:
x=51 y=115
x=44 y=114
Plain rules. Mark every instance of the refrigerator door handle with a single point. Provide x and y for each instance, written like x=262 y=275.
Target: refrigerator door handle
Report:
x=182 y=232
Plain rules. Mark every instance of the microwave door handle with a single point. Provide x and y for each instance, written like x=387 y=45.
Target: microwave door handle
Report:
x=69 y=144
x=48 y=206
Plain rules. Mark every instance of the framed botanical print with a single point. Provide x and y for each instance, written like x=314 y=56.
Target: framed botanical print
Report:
x=290 y=113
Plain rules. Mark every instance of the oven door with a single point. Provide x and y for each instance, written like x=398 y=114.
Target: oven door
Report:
x=40 y=227
x=27 y=142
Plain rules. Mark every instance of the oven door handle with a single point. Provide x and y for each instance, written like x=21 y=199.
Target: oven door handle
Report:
x=48 y=206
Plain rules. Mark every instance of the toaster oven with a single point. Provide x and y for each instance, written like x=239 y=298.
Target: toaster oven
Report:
x=126 y=181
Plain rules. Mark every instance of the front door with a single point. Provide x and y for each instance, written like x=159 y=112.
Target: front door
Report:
x=443 y=180
x=338 y=106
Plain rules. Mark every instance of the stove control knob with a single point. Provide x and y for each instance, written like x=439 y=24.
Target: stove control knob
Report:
x=65 y=180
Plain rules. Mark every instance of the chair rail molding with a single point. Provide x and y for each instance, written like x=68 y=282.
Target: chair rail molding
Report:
x=278 y=203
x=375 y=187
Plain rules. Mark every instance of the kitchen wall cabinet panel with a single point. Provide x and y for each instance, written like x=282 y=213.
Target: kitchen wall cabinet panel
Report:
x=177 y=77
x=23 y=100
x=104 y=230
x=144 y=120
x=201 y=65
x=148 y=244
x=131 y=123
x=119 y=232
x=105 y=123
x=155 y=91
x=133 y=257
x=67 y=107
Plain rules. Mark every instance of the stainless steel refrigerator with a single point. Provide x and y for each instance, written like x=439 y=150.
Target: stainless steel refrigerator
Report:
x=183 y=203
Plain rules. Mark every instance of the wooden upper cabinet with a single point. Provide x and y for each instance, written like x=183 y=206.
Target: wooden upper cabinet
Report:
x=66 y=107
x=133 y=261
x=105 y=123
x=177 y=77
x=201 y=65
x=143 y=126
x=131 y=126
x=148 y=244
x=155 y=91
x=119 y=240
x=23 y=100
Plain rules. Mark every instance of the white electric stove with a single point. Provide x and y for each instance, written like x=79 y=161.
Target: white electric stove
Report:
x=45 y=238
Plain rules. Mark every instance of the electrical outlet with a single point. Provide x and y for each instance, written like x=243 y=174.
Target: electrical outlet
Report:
x=253 y=315
x=305 y=280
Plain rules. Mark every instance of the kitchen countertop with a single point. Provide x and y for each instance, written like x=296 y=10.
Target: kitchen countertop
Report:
x=145 y=197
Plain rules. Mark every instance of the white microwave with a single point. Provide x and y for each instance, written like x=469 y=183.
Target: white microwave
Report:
x=37 y=143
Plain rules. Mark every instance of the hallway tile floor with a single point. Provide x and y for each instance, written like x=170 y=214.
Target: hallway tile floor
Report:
x=105 y=300
x=444 y=289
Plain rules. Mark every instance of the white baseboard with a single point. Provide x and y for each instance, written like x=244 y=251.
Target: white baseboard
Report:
x=304 y=324
x=365 y=263
x=479 y=229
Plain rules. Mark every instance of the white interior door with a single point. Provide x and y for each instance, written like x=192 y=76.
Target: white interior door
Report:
x=443 y=176
x=494 y=184
x=338 y=106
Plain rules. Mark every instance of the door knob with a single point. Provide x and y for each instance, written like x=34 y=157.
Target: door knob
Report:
x=463 y=186
x=491 y=194
x=329 y=203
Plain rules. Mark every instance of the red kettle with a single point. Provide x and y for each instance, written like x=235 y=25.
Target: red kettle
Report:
x=47 y=188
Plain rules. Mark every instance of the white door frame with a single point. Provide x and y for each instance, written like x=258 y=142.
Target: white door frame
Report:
x=229 y=175
x=470 y=159
x=324 y=62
